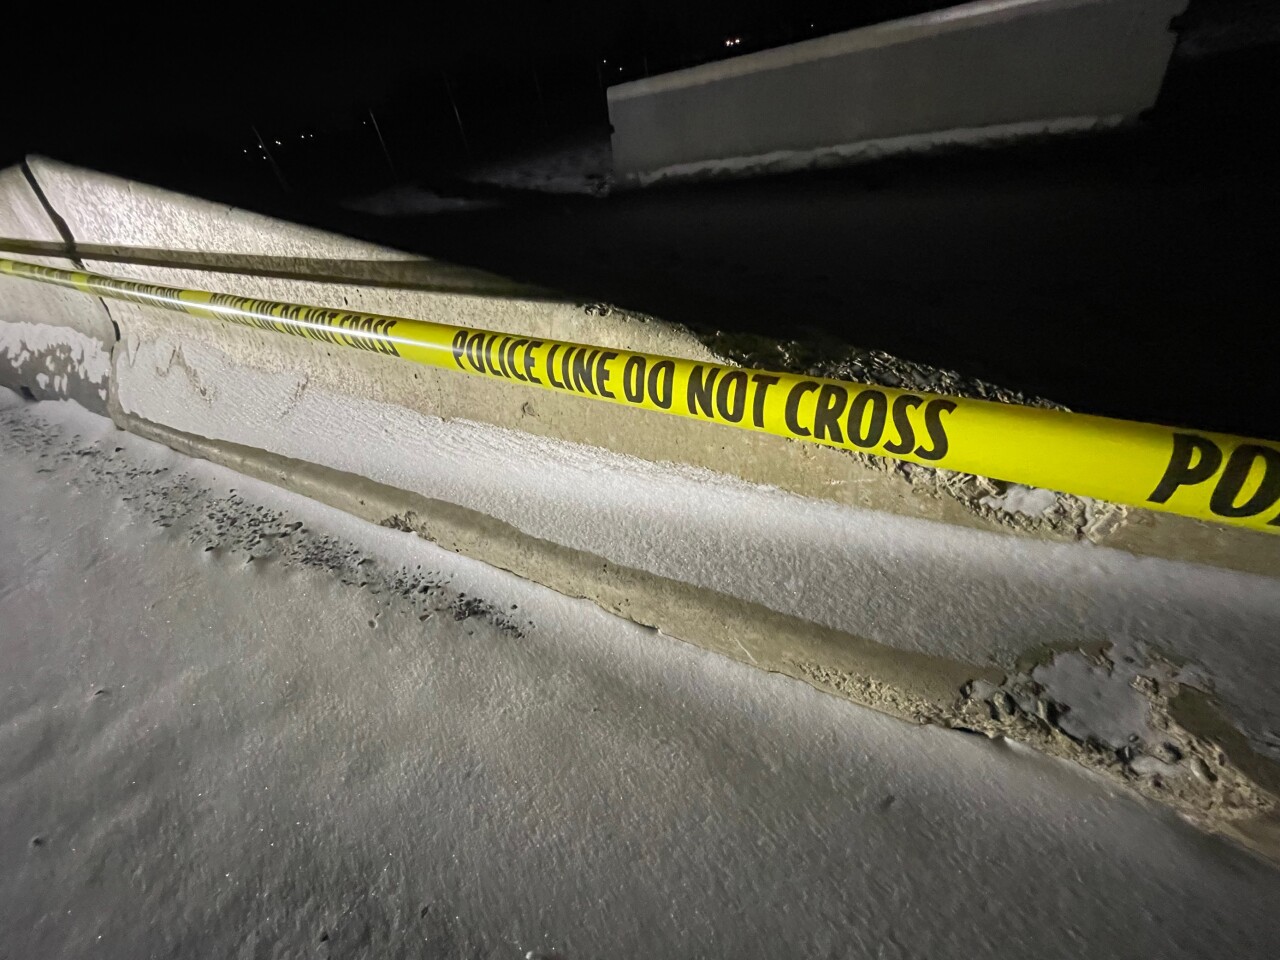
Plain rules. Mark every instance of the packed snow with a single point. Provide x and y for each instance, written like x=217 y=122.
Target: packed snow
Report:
x=237 y=723
x=582 y=164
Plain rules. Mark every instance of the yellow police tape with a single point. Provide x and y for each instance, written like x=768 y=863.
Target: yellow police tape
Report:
x=1211 y=476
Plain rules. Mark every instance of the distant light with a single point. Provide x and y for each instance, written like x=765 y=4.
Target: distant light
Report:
x=732 y=41
x=278 y=143
x=604 y=61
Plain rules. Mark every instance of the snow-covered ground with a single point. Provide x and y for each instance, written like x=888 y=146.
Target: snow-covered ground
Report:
x=582 y=164
x=235 y=723
x=410 y=200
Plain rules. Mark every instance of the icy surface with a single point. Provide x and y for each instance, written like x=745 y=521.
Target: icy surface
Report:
x=932 y=588
x=22 y=342
x=212 y=753
x=1101 y=696
x=1030 y=501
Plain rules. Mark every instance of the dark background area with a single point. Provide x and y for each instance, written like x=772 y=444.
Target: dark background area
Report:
x=175 y=97
x=1128 y=273
x=334 y=101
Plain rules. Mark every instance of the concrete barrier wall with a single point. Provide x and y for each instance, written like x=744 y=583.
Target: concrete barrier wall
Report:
x=206 y=245
x=974 y=73
x=748 y=544
x=53 y=343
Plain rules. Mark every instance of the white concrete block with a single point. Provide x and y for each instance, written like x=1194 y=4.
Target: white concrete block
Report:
x=991 y=70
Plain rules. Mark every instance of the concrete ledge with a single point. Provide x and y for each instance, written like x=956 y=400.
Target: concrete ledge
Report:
x=1217 y=780
x=977 y=73
x=935 y=597
x=216 y=248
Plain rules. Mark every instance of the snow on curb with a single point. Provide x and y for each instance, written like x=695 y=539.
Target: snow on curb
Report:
x=1113 y=625
x=51 y=356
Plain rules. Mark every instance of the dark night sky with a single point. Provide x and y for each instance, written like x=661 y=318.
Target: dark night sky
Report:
x=303 y=62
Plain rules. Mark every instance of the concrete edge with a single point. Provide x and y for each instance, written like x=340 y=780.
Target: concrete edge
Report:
x=1216 y=781
x=411 y=273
